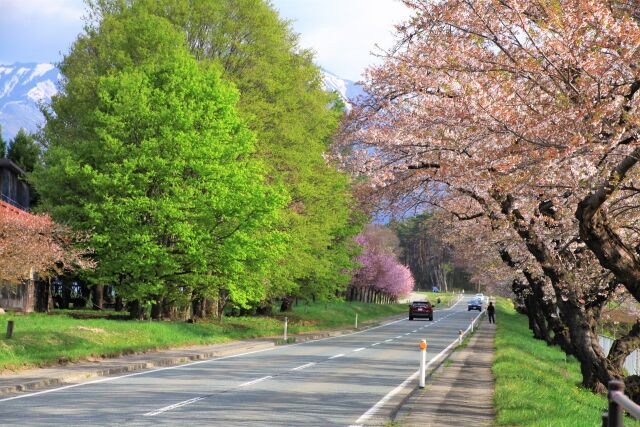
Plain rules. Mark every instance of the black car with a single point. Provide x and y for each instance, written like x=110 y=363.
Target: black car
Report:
x=420 y=309
x=475 y=304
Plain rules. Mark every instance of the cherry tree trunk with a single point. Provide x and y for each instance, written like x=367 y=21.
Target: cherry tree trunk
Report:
x=44 y=299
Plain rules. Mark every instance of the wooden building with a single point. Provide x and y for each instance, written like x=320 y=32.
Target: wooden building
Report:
x=15 y=201
x=13 y=188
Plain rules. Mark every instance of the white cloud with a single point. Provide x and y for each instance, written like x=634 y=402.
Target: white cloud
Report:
x=38 y=30
x=67 y=10
x=343 y=33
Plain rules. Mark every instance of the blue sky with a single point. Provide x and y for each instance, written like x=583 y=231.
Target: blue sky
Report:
x=341 y=32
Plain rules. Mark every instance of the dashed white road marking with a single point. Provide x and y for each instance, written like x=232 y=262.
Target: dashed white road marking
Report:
x=358 y=349
x=373 y=345
x=408 y=333
x=389 y=340
x=336 y=356
x=255 y=381
x=174 y=406
x=399 y=336
x=299 y=368
x=414 y=331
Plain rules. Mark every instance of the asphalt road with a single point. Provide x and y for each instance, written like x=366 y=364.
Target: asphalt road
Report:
x=334 y=381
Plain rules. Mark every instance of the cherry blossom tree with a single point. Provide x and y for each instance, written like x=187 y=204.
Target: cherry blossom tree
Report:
x=34 y=243
x=380 y=277
x=522 y=113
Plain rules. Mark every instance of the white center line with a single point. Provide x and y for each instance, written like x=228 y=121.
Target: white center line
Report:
x=336 y=356
x=174 y=406
x=399 y=336
x=299 y=368
x=373 y=345
x=408 y=333
x=255 y=381
x=390 y=339
x=414 y=331
x=358 y=349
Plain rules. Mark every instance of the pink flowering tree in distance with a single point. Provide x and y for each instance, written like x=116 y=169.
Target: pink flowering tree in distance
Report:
x=380 y=278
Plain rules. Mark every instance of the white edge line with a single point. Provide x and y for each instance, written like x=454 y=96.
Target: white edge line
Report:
x=255 y=381
x=373 y=345
x=358 y=349
x=168 y=368
x=336 y=356
x=301 y=367
x=174 y=406
x=375 y=408
x=389 y=340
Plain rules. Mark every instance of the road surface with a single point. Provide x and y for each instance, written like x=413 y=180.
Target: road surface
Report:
x=335 y=381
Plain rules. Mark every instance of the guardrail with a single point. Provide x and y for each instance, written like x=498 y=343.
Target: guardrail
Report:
x=618 y=404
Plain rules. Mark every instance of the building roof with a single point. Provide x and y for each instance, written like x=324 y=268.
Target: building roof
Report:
x=8 y=164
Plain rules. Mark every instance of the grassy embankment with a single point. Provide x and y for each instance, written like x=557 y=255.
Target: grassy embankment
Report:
x=41 y=339
x=433 y=296
x=537 y=385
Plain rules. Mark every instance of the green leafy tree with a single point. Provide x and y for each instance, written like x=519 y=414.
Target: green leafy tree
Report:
x=283 y=102
x=24 y=151
x=146 y=152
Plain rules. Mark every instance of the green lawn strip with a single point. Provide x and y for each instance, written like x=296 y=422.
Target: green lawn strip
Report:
x=433 y=296
x=41 y=340
x=536 y=385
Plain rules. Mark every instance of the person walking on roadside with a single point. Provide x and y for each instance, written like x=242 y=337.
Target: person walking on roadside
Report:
x=491 y=312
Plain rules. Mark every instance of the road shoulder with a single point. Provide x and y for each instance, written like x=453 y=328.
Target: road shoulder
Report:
x=460 y=392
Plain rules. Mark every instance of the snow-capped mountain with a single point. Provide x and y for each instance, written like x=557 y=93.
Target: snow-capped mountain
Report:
x=22 y=87
x=349 y=91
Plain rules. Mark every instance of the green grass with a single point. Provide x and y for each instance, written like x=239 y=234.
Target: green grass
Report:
x=433 y=296
x=535 y=384
x=41 y=340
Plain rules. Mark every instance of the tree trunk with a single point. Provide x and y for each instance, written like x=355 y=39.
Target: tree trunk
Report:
x=44 y=299
x=136 y=311
x=169 y=309
x=580 y=321
x=108 y=294
x=156 y=311
x=596 y=231
x=119 y=303
x=97 y=297
x=67 y=283
x=287 y=304
x=199 y=308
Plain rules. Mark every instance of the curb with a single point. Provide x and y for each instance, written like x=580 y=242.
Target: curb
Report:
x=90 y=372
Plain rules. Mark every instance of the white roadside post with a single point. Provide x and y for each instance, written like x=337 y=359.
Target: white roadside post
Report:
x=286 y=325
x=460 y=336
x=472 y=322
x=423 y=361
x=356 y=320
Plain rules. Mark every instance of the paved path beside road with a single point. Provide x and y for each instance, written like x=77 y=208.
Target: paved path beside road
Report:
x=460 y=393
